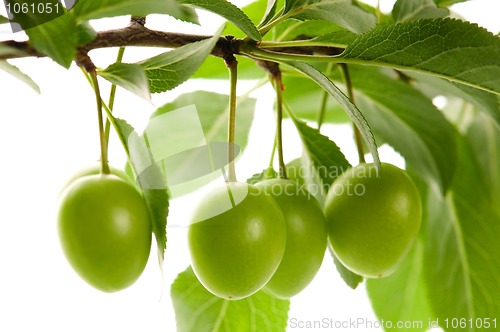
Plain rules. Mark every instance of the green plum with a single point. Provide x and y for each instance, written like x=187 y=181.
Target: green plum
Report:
x=373 y=219
x=96 y=169
x=105 y=231
x=306 y=237
x=236 y=239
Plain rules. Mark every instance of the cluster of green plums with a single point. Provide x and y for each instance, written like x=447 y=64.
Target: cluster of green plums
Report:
x=270 y=234
x=243 y=237
x=104 y=228
x=273 y=235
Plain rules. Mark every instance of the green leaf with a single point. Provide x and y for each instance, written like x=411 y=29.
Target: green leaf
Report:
x=213 y=115
x=149 y=179
x=313 y=33
x=293 y=4
x=4 y=20
x=187 y=14
x=334 y=39
x=304 y=98
x=484 y=137
x=296 y=30
x=408 y=121
x=342 y=12
x=326 y=156
x=401 y=296
x=14 y=71
x=416 y=9
x=484 y=101
x=86 y=33
x=214 y=68
x=350 y=278
x=26 y=19
x=196 y=309
x=462 y=254
x=92 y=9
x=158 y=205
x=129 y=76
x=192 y=120
x=351 y=109
x=253 y=11
x=270 y=11
x=452 y=49
x=57 y=39
x=446 y=3
x=230 y=12
x=167 y=70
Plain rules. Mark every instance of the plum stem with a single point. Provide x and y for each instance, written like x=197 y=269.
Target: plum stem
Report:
x=350 y=94
x=232 y=65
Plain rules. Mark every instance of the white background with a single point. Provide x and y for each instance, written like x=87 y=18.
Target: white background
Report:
x=46 y=138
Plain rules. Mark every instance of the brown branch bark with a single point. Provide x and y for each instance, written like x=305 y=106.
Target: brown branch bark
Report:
x=136 y=34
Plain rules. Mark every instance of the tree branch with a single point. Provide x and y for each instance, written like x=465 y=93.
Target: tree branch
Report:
x=136 y=34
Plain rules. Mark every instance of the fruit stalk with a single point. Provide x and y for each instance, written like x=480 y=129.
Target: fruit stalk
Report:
x=111 y=102
x=232 y=65
x=324 y=100
x=102 y=136
x=350 y=94
x=278 y=86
